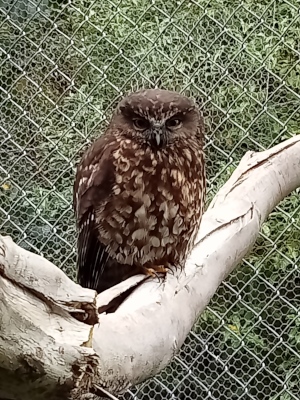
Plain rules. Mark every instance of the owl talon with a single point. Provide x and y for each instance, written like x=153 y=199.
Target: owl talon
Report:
x=160 y=269
x=155 y=270
x=153 y=273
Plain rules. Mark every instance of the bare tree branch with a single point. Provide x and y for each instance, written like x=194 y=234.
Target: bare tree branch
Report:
x=51 y=344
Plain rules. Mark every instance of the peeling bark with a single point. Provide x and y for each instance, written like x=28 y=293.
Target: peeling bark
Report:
x=55 y=345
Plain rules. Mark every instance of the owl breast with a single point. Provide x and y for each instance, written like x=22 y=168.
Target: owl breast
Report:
x=156 y=204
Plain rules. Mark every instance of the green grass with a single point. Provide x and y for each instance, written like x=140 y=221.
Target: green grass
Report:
x=230 y=56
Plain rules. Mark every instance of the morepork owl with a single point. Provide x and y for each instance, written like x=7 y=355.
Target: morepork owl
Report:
x=140 y=190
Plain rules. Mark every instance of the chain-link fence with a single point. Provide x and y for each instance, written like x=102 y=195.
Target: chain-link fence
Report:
x=65 y=64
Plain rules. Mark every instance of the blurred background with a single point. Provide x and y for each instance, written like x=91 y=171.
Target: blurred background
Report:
x=65 y=64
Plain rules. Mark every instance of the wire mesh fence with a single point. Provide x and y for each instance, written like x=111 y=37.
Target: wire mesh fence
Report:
x=65 y=64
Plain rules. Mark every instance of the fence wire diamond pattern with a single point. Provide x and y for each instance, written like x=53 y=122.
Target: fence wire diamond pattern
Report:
x=65 y=64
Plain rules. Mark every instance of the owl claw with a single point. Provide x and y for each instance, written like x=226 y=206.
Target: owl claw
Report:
x=160 y=269
x=155 y=270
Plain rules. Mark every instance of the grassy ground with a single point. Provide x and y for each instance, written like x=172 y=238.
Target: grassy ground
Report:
x=240 y=60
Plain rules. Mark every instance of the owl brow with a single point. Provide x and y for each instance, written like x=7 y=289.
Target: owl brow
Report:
x=132 y=114
x=179 y=115
x=136 y=115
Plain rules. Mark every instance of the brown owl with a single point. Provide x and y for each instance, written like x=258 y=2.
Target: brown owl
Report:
x=140 y=189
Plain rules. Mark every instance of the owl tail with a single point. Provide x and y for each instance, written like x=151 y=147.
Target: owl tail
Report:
x=96 y=269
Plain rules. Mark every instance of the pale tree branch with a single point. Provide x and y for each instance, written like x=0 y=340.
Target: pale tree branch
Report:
x=51 y=343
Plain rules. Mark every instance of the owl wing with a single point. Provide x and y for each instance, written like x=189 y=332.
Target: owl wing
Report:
x=93 y=186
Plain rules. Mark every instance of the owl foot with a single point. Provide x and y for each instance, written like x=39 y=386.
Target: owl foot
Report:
x=155 y=270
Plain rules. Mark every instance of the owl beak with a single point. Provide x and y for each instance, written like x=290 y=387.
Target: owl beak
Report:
x=158 y=133
x=157 y=138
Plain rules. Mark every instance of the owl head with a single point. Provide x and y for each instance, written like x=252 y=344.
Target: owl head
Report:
x=157 y=117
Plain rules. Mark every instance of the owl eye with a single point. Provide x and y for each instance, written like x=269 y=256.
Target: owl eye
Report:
x=173 y=123
x=141 y=124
